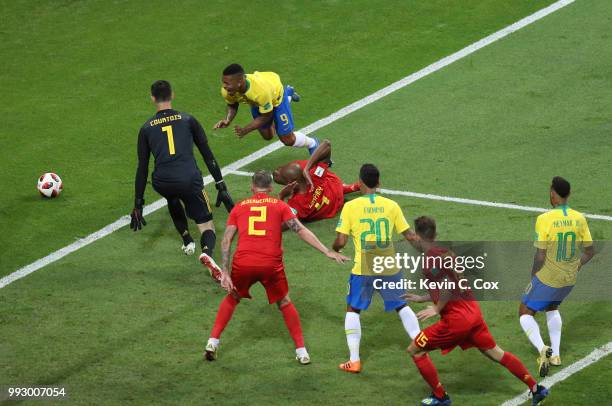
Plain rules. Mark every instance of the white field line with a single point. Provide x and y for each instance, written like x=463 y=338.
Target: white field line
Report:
x=434 y=67
x=458 y=200
x=566 y=372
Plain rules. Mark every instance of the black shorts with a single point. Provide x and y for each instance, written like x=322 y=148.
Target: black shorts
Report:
x=191 y=193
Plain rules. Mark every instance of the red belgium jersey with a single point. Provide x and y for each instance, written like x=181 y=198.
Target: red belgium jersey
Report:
x=260 y=219
x=325 y=200
x=462 y=302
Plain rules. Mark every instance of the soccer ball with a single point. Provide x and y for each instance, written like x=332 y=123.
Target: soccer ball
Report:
x=49 y=185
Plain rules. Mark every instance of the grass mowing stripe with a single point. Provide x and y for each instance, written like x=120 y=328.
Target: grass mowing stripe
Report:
x=434 y=67
x=566 y=372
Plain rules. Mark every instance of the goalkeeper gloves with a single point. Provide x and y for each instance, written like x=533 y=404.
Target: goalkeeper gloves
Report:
x=137 y=218
x=223 y=196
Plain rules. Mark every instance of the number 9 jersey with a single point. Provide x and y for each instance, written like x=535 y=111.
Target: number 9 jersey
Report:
x=260 y=220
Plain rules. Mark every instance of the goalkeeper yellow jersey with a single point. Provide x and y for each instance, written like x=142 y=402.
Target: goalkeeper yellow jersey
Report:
x=371 y=221
x=562 y=232
x=263 y=90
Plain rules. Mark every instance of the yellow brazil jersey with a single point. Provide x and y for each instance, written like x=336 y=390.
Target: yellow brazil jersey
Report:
x=561 y=232
x=263 y=90
x=371 y=220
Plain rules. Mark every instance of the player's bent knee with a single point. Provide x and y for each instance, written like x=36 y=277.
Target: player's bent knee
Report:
x=352 y=310
x=523 y=310
x=415 y=351
x=209 y=225
x=288 y=139
x=267 y=133
x=283 y=302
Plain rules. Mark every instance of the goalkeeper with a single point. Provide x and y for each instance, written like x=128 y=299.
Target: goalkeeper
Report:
x=169 y=135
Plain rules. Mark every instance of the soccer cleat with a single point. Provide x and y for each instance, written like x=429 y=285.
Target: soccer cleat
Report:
x=189 y=249
x=555 y=360
x=302 y=357
x=433 y=400
x=212 y=266
x=544 y=360
x=210 y=352
x=291 y=93
x=539 y=395
x=311 y=150
x=351 y=366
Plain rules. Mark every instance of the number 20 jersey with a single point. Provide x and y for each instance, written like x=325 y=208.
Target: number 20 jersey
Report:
x=259 y=220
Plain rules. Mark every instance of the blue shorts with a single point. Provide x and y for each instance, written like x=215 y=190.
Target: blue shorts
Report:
x=538 y=296
x=361 y=290
x=282 y=116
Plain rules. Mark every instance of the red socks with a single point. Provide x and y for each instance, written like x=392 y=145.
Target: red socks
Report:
x=292 y=320
x=430 y=374
x=517 y=368
x=224 y=315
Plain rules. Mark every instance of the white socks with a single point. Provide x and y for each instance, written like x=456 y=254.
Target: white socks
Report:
x=553 y=319
x=532 y=330
x=214 y=341
x=352 y=329
x=410 y=322
x=302 y=140
x=301 y=352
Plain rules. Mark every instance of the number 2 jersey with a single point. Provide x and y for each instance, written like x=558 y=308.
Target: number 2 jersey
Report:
x=259 y=220
x=325 y=200
x=170 y=135
x=561 y=232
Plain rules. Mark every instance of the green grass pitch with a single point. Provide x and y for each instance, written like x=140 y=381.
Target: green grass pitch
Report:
x=124 y=320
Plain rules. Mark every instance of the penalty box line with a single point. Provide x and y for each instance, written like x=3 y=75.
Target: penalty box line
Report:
x=460 y=200
x=359 y=104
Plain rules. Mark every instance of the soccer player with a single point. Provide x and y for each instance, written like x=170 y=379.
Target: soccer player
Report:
x=559 y=235
x=461 y=322
x=371 y=220
x=270 y=104
x=169 y=135
x=259 y=221
x=313 y=191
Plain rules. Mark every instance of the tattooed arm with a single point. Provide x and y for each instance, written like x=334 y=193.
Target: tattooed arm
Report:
x=226 y=246
x=308 y=236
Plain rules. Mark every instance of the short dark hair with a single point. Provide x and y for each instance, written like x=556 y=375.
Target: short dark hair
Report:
x=425 y=227
x=262 y=179
x=233 y=69
x=161 y=91
x=369 y=175
x=561 y=186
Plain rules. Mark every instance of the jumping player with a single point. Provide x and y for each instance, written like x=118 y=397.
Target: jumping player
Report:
x=313 y=191
x=371 y=219
x=270 y=104
x=170 y=135
x=259 y=221
x=461 y=322
x=559 y=235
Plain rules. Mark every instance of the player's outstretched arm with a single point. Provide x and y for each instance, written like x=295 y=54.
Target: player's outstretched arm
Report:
x=322 y=153
x=538 y=260
x=140 y=183
x=311 y=239
x=199 y=138
x=340 y=242
x=587 y=255
x=232 y=110
x=258 y=122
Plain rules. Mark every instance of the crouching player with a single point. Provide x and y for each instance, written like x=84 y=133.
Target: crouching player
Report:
x=461 y=323
x=259 y=221
x=313 y=191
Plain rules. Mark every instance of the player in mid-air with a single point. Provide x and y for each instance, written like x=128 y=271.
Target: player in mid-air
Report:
x=461 y=322
x=170 y=135
x=371 y=219
x=270 y=104
x=313 y=191
x=559 y=235
x=259 y=222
